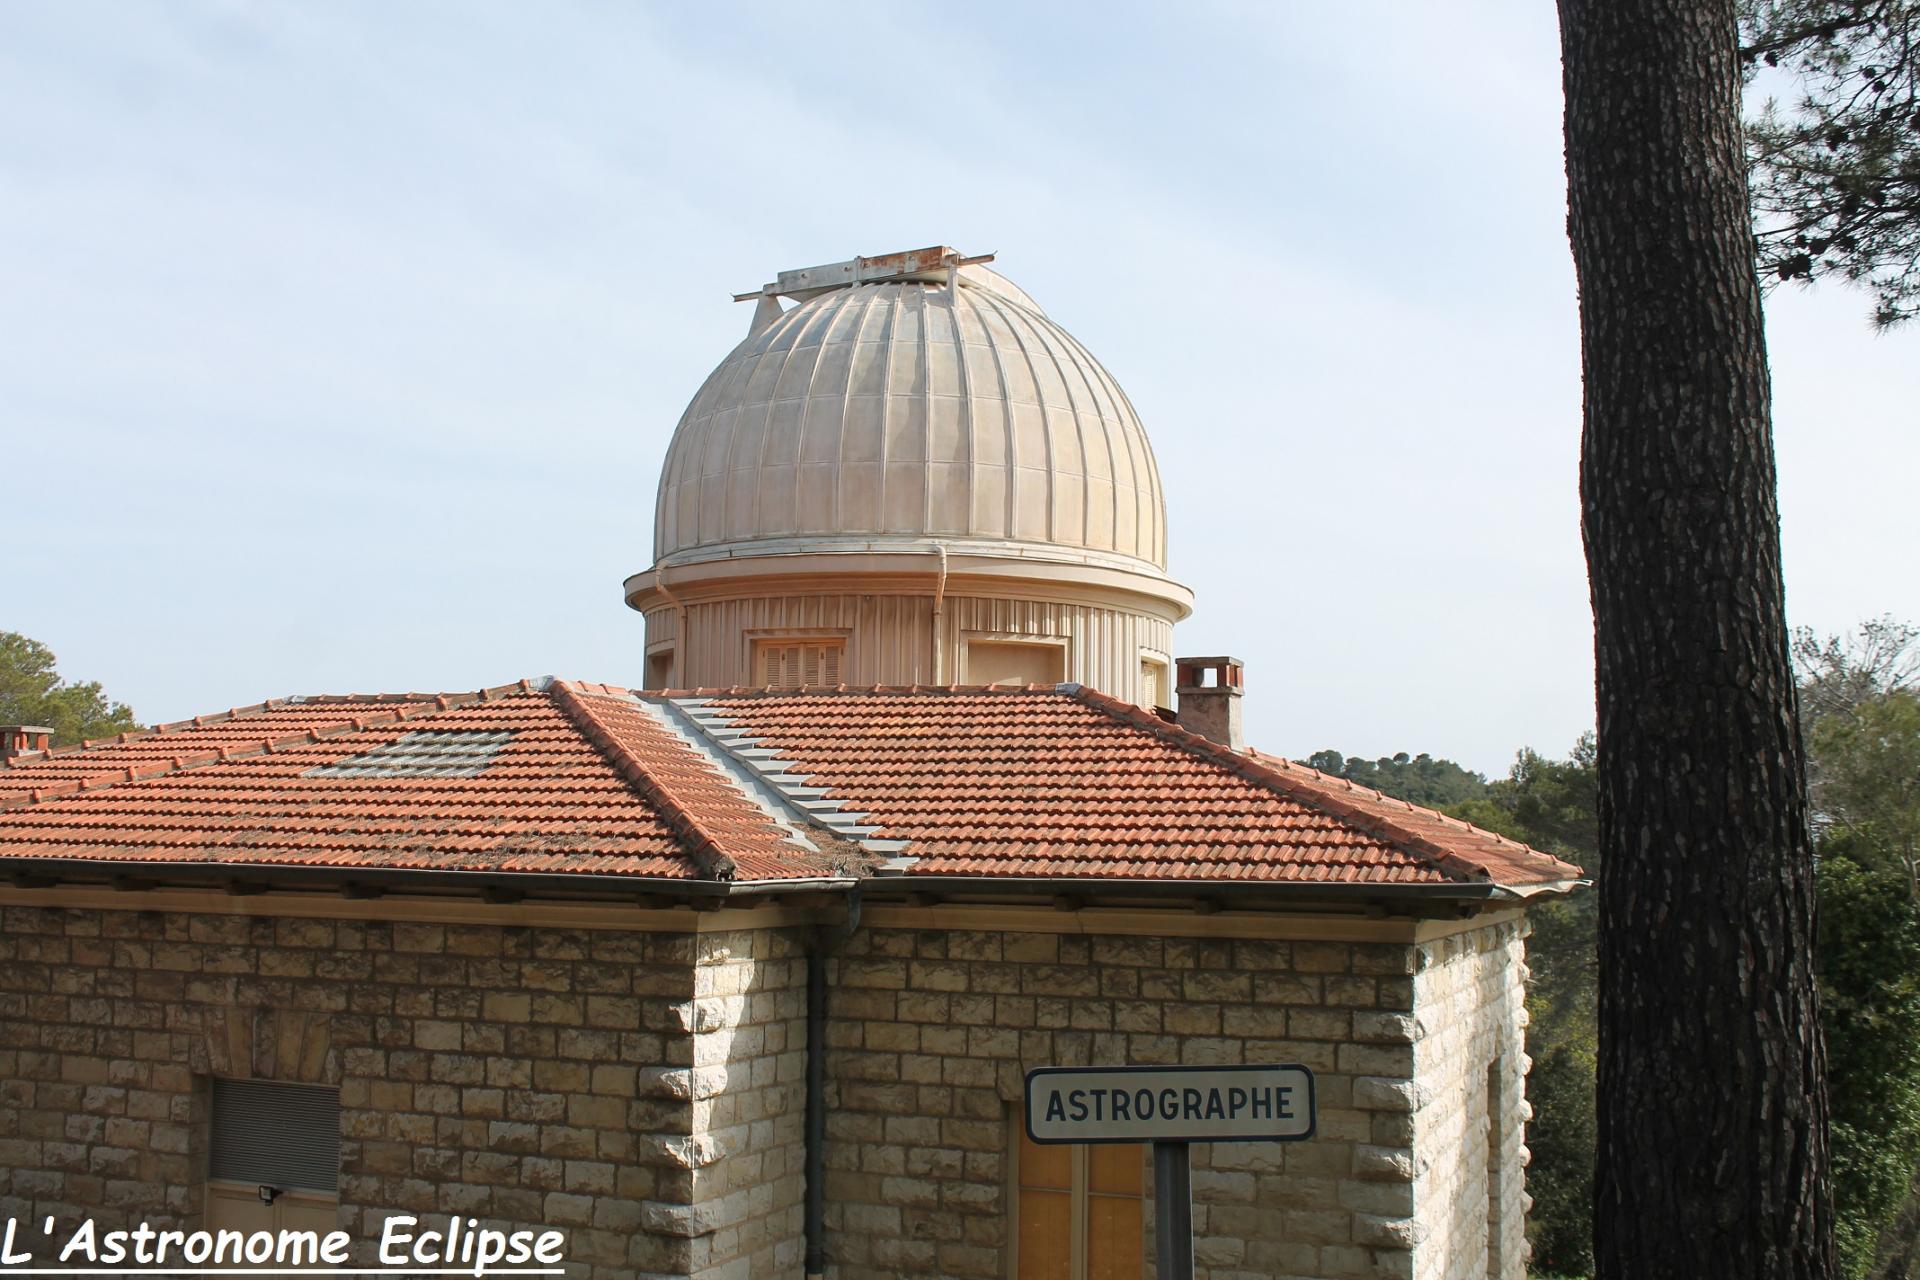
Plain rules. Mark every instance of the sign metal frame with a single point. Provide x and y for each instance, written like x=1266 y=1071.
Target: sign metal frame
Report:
x=1311 y=1099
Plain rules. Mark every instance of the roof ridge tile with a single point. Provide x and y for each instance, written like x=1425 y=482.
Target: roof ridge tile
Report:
x=1295 y=766
x=708 y=853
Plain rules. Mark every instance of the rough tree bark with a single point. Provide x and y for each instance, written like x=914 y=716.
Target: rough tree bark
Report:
x=1712 y=1102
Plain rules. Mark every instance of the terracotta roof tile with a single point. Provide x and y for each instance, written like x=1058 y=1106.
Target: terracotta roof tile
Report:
x=1067 y=783
x=578 y=779
x=1043 y=782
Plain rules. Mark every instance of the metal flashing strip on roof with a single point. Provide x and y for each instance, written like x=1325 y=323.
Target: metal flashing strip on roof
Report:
x=768 y=799
x=423 y=753
x=763 y=773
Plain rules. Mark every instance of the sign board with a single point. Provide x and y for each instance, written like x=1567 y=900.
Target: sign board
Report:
x=1170 y=1104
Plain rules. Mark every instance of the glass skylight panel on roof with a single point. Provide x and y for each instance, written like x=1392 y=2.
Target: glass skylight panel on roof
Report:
x=448 y=753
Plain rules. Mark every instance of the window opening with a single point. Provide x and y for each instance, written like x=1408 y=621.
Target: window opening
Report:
x=786 y=664
x=1011 y=662
x=273 y=1157
x=1080 y=1211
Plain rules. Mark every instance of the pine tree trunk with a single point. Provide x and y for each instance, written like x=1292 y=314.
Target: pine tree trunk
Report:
x=1712 y=1156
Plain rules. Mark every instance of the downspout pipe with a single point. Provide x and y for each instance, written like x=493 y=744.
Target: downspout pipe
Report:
x=826 y=940
x=940 y=619
x=680 y=653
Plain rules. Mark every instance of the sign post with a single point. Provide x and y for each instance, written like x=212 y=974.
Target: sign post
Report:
x=1170 y=1107
x=1172 y=1212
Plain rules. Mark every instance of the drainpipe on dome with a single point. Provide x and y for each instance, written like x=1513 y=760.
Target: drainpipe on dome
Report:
x=826 y=941
x=940 y=618
x=680 y=650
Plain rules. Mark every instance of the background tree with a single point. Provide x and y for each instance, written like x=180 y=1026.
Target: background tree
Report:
x=1419 y=779
x=32 y=692
x=1870 y=993
x=1712 y=1118
x=1836 y=175
x=1838 y=673
x=1900 y=1243
x=1858 y=697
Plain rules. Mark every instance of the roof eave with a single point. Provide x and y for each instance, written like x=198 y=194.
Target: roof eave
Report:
x=1549 y=888
x=1302 y=890
x=272 y=875
x=48 y=872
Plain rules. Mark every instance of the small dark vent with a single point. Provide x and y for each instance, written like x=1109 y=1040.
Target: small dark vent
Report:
x=280 y=1135
x=451 y=753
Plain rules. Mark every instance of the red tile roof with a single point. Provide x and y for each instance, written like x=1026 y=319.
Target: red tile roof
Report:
x=586 y=782
x=1050 y=783
x=1071 y=784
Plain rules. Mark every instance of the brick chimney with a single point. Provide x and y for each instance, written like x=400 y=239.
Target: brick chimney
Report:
x=16 y=739
x=1209 y=691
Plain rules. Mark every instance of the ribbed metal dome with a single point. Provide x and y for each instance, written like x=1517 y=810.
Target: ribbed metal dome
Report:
x=906 y=411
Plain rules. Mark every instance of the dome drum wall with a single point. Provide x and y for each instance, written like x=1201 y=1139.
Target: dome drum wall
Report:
x=890 y=638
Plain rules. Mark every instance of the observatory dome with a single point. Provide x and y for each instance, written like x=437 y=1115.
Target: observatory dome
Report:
x=910 y=409
x=907 y=474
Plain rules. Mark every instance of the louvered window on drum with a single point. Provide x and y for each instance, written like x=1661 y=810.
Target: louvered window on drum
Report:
x=786 y=664
x=285 y=1136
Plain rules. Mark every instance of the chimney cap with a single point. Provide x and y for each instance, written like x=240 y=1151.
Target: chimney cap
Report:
x=1190 y=674
x=24 y=739
x=1211 y=710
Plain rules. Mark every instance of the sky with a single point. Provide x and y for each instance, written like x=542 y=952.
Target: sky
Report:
x=340 y=342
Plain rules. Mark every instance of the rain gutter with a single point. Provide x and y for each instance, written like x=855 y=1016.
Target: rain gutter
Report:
x=581 y=882
x=827 y=939
x=1261 y=890
x=563 y=884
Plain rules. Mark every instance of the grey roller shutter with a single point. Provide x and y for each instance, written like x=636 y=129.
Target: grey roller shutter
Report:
x=284 y=1135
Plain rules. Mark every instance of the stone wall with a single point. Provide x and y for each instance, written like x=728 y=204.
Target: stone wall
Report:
x=748 y=1179
x=528 y=1077
x=644 y=1091
x=932 y=1033
x=1470 y=1123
